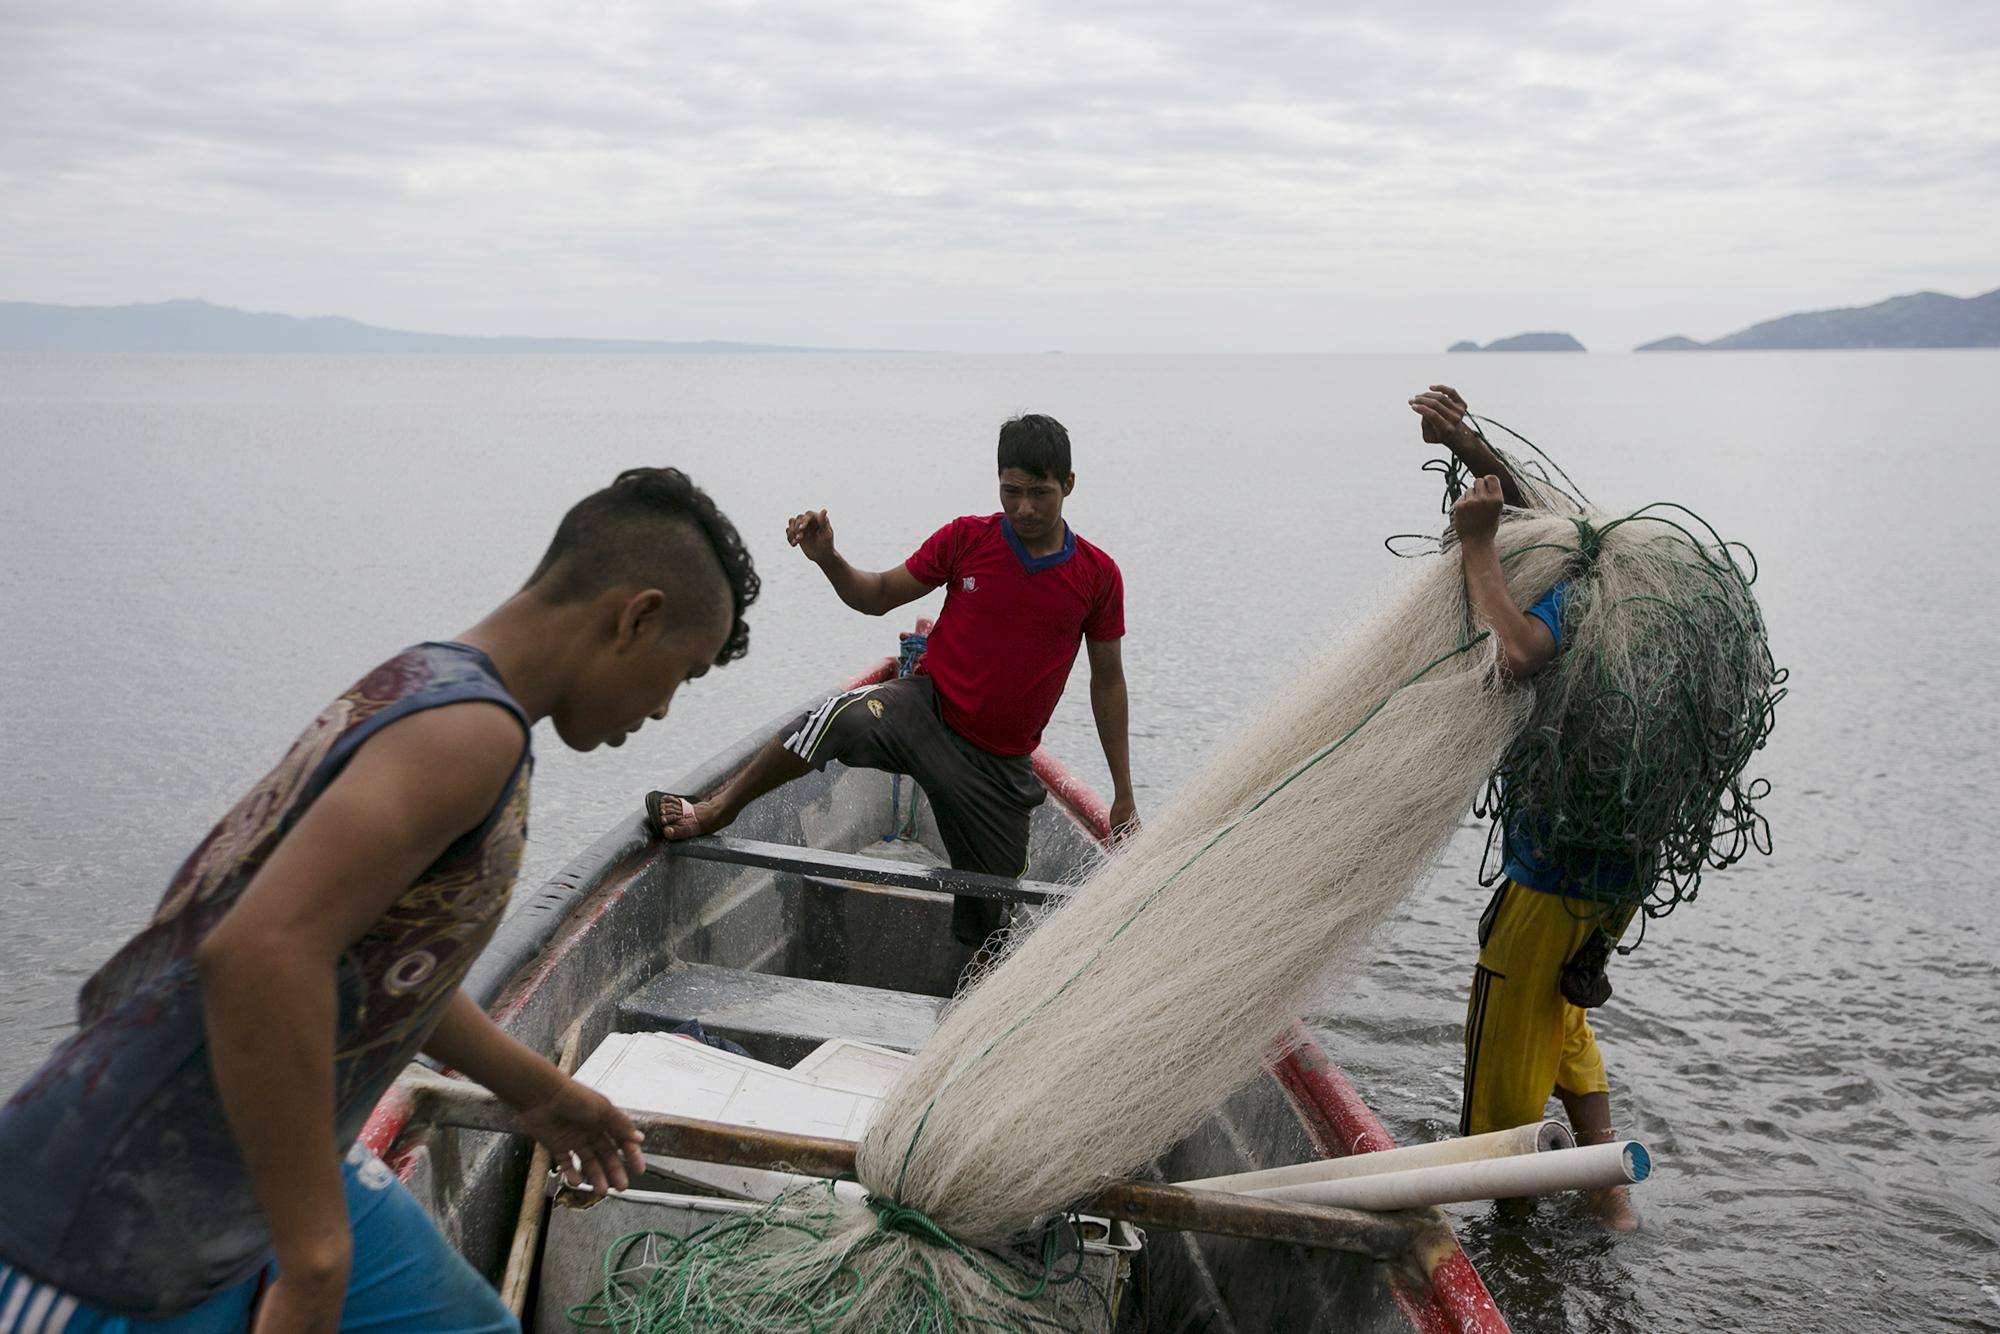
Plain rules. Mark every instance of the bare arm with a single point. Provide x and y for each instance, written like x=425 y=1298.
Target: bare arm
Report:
x=267 y=972
x=1111 y=707
x=1526 y=646
x=589 y=1137
x=1444 y=415
x=870 y=592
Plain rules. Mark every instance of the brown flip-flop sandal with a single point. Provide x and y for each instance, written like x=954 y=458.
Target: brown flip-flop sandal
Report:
x=666 y=811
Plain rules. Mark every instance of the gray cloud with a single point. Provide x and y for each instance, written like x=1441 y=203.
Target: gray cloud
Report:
x=1166 y=175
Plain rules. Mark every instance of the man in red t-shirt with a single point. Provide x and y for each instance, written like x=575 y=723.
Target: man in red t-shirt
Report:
x=1022 y=589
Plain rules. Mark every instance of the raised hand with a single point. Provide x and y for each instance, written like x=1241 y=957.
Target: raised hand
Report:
x=812 y=533
x=1443 y=412
x=1476 y=516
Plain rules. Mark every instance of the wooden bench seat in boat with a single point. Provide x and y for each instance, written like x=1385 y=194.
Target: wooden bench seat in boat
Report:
x=779 y=1019
x=849 y=868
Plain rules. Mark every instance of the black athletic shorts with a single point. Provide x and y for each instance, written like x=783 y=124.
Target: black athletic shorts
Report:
x=982 y=801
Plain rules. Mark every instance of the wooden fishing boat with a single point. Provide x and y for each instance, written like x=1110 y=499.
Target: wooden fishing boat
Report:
x=801 y=927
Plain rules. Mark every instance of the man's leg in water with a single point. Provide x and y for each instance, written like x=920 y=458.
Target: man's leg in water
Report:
x=1523 y=1039
x=1590 y=1120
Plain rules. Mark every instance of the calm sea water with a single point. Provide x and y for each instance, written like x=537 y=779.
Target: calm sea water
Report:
x=195 y=554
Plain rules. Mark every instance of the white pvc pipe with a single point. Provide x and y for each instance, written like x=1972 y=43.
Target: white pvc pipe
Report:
x=1535 y=1137
x=1485 y=1179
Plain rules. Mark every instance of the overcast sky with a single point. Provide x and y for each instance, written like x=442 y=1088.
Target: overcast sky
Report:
x=1141 y=175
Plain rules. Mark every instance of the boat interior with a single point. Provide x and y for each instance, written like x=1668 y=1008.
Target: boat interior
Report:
x=780 y=938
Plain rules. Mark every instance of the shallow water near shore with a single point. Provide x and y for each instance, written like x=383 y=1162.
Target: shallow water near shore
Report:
x=198 y=552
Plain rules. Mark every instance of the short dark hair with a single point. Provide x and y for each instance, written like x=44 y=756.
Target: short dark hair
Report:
x=1035 y=444
x=653 y=526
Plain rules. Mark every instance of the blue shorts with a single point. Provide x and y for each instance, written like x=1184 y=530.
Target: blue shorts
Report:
x=405 y=1277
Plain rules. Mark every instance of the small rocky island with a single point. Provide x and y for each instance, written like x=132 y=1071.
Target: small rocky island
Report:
x=1527 y=342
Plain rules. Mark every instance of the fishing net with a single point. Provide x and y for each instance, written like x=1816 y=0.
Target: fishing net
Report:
x=1629 y=778
x=1119 y=1019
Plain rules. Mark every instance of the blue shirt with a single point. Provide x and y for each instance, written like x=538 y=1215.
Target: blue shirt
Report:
x=1527 y=862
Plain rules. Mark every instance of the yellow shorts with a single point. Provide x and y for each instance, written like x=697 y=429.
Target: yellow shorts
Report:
x=1523 y=1040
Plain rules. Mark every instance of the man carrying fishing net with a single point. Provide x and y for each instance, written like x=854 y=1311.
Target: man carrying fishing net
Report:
x=1022 y=590
x=1564 y=897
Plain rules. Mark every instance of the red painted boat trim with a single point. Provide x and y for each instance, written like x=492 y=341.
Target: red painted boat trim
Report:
x=386 y=1122
x=884 y=670
x=1339 y=1123
x=1073 y=794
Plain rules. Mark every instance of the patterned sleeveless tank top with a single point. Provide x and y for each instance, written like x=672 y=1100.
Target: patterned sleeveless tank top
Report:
x=123 y=1185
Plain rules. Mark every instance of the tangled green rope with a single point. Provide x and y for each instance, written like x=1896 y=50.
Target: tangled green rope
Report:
x=1633 y=793
x=657 y=1281
x=1634 y=785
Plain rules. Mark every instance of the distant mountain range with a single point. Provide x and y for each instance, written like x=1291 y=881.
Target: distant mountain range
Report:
x=1924 y=319
x=197 y=326
x=1527 y=342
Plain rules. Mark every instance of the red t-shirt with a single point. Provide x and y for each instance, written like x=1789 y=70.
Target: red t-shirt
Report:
x=1003 y=645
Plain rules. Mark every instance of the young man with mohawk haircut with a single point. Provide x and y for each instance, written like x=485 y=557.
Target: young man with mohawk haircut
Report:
x=186 y=1161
